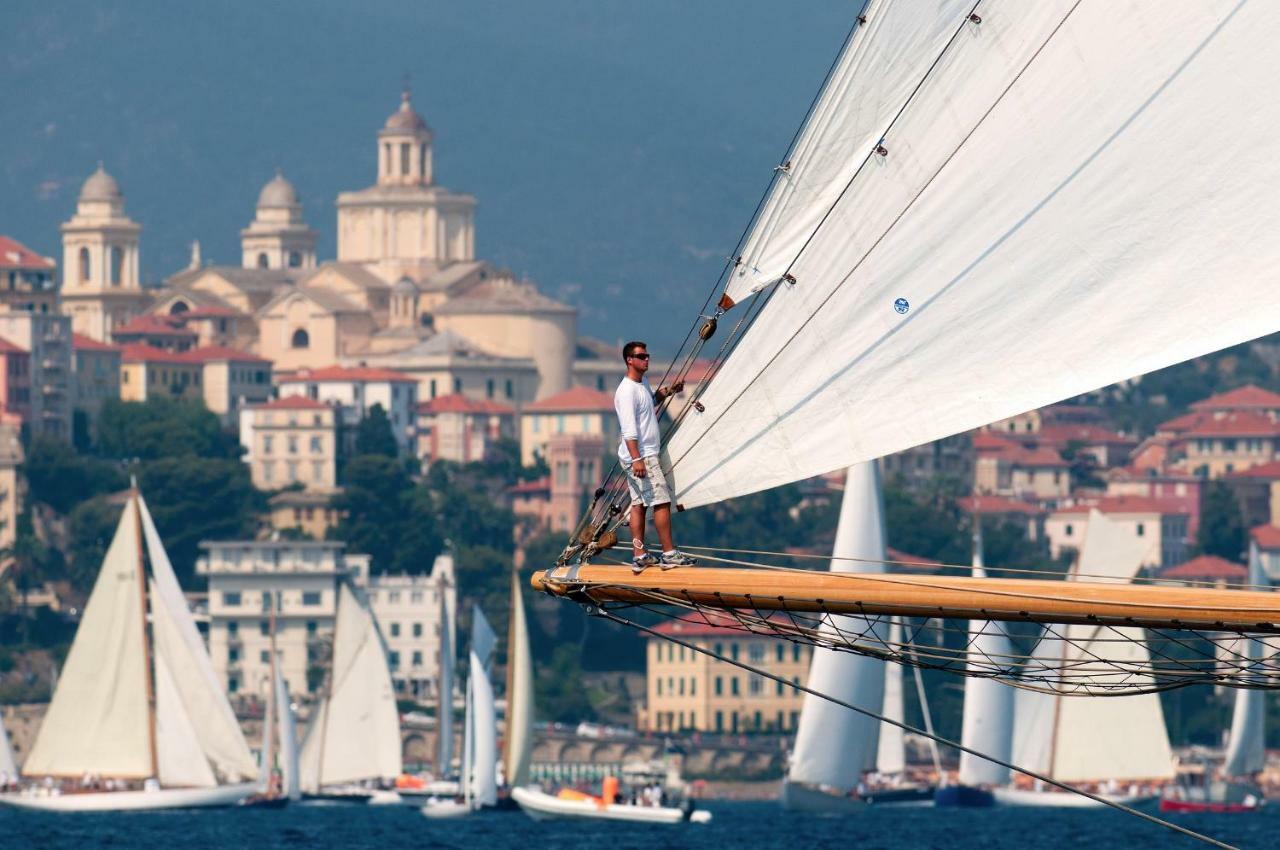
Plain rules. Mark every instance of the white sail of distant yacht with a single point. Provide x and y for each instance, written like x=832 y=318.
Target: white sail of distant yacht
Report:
x=481 y=765
x=288 y=737
x=1246 y=745
x=987 y=720
x=519 y=730
x=139 y=703
x=8 y=764
x=834 y=745
x=354 y=735
x=1082 y=739
x=444 y=704
x=891 y=749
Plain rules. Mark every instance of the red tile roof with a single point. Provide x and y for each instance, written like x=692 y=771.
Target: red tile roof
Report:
x=1179 y=423
x=538 y=485
x=996 y=505
x=907 y=561
x=152 y=325
x=696 y=626
x=1265 y=470
x=15 y=255
x=459 y=403
x=572 y=401
x=1207 y=566
x=1266 y=536
x=993 y=444
x=989 y=441
x=292 y=402
x=140 y=352
x=343 y=374
x=209 y=353
x=85 y=343
x=7 y=347
x=1248 y=396
x=1089 y=434
x=1125 y=505
x=1244 y=423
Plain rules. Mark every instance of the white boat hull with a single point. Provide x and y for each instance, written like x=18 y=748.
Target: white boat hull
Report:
x=806 y=798
x=129 y=801
x=1063 y=799
x=541 y=806
x=442 y=809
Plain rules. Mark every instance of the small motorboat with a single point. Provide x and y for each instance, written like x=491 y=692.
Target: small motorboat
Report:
x=574 y=804
x=445 y=807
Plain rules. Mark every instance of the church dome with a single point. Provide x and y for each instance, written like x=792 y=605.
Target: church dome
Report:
x=278 y=193
x=406 y=118
x=404 y=286
x=100 y=186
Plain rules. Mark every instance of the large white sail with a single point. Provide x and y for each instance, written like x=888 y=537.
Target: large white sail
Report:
x=181 y=761
x=357 y=734
x=98 y=719
x=444 y=709
x=484 y=719
x=1094 y=738
x=8 y=765
x=196 y=698
x=1246 y=745
x=519 y=738
x=891 y=753
x=1063 y=171
x=987 y=721
x=833 y=744
x=288 y=734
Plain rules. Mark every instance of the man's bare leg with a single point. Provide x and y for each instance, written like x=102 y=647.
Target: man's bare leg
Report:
x=637 y=531
x=662 y=521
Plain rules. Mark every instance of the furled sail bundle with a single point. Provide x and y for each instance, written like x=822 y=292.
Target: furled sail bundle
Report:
x=992 y=206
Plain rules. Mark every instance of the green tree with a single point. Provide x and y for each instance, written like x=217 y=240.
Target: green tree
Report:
x=1222 y=530
x=90 y=527
x=61 y=478
x=560 y=695
x=162 y=428
x=385 y=517
x=374 y=435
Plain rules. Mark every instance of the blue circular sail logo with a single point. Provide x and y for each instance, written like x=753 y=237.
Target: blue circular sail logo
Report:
x=902 y=305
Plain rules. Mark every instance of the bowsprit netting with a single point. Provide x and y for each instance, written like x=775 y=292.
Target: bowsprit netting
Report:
x=1078 y=659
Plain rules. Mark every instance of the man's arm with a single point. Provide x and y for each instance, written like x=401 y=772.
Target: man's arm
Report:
x=630 y=430
x=662 y=393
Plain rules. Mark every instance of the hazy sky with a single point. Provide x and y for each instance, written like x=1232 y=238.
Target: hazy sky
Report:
x=616 y=148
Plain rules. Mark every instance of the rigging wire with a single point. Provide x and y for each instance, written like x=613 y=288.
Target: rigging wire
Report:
x=909 y=728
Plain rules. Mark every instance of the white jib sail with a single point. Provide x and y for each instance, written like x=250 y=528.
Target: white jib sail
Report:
x=833 y=744
x=484 y=719
x=360 y=733
x=97 y=721
x=196 y=687
x=891 y=753
x=1246 y=746
x=1096 y=738
x=181 y=760
x=267 y=759
x=8 y=765
x=987 y=722
x=444 y=709
x=288 y=734
x=519 y=738
x=1048 y=182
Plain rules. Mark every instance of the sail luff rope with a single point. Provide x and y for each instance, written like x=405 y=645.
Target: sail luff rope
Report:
x=921 y=732
x=898 y=218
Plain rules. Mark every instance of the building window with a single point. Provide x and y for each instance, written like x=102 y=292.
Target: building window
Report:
x=417 y=627
x=719 y=686
x=84 y=265
x=293 y=445
x=560 y=424
x=233 y=629
x=682 y=686
x=417 y=659
x=488 y=388
x=433 y=387
x=231 y=598
x=233 y=684
x=264 y=656
x=755 y=685
x=733 y=686
x=404 y=158
x=781 y=652
x=393 y=660
x=457 y=385
x=659 y=687
x=395 y=630
x=511 y=391
x=263 y=262
x=719 y=721
x=295 y=259
x=233 y=655
x=311 y=628
x=1141 y=530
x=1069 y=530
x=301 y=339
x=264 y=627
x=311 y=597
x=315 y=446
x=755 y=652
x=733 y=652
x=117 y=264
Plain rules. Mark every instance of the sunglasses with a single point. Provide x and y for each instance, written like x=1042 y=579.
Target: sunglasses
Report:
x=640 y=356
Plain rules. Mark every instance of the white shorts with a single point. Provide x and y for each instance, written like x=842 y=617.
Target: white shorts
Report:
x=652 y=489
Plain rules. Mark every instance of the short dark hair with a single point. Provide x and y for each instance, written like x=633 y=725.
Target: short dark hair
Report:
x=629 y=349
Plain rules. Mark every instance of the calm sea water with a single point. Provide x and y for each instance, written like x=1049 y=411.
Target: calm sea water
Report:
x=736 y=825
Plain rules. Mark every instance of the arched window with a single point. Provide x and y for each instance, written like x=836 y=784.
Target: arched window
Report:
x=295 y=259
x=301 y=339
x=117 y=264
x=423 y=163
x=178 y=308
x=84 y=265
x=404 y=159
x=262 y=261
x=386 y=156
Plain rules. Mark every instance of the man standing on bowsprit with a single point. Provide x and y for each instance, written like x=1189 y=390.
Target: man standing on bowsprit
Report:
x=638 y=451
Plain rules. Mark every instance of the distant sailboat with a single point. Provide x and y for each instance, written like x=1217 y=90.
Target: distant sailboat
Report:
x=835 y=746
x=352 y=746
x=1119 y=742
x=480 y=775
x=280 y=782
x=138 y=705
x=890 y=785
x=518 y=750
x=987 y=722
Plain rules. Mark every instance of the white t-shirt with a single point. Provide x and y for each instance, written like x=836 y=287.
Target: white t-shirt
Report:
x=636 y=418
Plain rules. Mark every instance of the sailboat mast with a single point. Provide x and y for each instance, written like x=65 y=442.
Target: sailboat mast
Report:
x=149 y=665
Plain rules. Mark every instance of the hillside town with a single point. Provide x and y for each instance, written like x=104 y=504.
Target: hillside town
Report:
x=464 y=366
